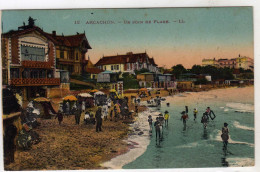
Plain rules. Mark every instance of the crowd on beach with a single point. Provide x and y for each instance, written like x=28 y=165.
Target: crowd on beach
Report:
x=114 y=109
x=110 y=110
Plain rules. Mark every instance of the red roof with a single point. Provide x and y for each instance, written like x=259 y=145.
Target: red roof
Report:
x=94 y=70
x=69 y=41
x=127 y=58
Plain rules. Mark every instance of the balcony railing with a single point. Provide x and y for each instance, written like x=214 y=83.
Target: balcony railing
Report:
x=36 y=64
x=35 y=81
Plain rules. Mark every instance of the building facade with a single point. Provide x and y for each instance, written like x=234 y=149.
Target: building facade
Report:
x=229 y=63
x=127 y=63
x=244 y=62
x=70 y=51
x=234 y=63
x=210 y=62
x=90 y=70
x=28 y=60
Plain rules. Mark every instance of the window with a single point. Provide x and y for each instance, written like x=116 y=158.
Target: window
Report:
x=105 y=68
x=32 y=53
x=112 y=67
x=117 y=67
x=50 y=74
x=26 y=73
x=42 y=74
x=128 y=66
x=14 y=73
x=34 y=73
x=62 y=54
x=77 y=56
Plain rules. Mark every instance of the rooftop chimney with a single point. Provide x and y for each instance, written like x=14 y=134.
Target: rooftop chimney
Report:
x=54 y=33
x=129 y=53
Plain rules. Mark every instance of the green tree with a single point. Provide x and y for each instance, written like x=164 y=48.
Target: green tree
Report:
x=196 y=69
x=201 y=81
x=178 y=70
x=130 y=81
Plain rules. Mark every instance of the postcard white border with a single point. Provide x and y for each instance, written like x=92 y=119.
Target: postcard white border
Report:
x=65 y=4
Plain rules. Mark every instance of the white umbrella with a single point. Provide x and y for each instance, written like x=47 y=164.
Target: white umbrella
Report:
x=99 y=93
x=85 y=95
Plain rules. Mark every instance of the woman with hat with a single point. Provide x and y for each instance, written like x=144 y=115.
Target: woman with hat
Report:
x=225 y=136
x=166 y=117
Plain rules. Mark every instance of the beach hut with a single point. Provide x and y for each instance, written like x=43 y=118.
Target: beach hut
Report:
x=100 y=98
x=87 y=99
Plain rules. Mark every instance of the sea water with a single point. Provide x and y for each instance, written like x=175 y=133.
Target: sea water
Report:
x=195 y=146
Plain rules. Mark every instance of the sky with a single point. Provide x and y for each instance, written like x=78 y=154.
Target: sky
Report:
x=223 y=32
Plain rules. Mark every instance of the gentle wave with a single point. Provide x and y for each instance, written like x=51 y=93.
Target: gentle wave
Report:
x=241 y=107
x=240 y=162
x=218 y=138
x=208 y=96
x=237 y=125
x=194 y=144
x=226 y=110
x=138 y=143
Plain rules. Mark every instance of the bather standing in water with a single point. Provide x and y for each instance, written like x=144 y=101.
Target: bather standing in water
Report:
x=184 y=118
x=157 y=125
x=195 y=111
x=204 y=120
x=166 y=118
x=225 y=136
x=210 y=112
x=186 y=109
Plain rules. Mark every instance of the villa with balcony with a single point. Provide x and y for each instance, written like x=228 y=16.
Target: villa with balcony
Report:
x=28 y=61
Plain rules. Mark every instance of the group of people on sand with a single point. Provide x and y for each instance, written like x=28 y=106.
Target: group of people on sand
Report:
x=208 y=114
x=117 y=109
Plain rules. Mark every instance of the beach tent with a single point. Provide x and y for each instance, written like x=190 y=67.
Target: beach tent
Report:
x=87 y=98
x=41 y=99
x=93 y=91
x=68 y=102
x=100 y=98
x=70 y=98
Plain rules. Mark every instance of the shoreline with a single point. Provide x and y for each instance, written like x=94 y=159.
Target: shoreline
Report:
x=137 y=142
x=134 y=151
